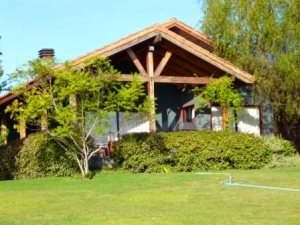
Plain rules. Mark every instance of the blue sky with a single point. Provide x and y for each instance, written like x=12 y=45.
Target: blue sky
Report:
x=75 y=27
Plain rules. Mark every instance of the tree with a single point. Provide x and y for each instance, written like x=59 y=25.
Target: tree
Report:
x=2 y=82
x=4 y=132
x=262 y=37
x=222 y=93
x=71 y=104
x=1 y=71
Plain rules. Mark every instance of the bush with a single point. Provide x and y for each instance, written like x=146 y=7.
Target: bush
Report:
x=142 y=153
x=192 y=151
x=284 y=153
x=284 y=161
x=41 y=156
x=280 y=146
x=8 y=155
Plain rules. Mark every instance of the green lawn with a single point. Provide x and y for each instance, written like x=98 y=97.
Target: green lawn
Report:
x=176 y=198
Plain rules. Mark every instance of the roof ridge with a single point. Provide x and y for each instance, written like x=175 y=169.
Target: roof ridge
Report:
x=174 y=21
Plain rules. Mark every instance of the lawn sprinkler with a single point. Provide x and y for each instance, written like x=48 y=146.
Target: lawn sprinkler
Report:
x=229 y=182
x=226 y=182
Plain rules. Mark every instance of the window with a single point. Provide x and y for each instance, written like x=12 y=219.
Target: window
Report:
x=187 y=113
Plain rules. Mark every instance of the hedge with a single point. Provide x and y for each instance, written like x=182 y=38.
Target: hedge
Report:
x=41 y=156
x=192 y=151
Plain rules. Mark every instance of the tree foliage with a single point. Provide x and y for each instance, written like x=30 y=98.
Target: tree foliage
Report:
x=3 y=82
x=262 y=37
x=220 y=92
x=4 y=131
x=71 y=103
x=1 y=70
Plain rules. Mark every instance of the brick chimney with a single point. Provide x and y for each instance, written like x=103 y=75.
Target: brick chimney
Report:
x=46 y=53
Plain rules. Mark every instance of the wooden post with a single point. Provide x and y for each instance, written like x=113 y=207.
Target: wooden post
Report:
x=224 y=117
x=73 y=100
x=118 y=124
x=44 y=121
x=4 y=129
x=136 y=62
x=150 y=71
x=22 y=128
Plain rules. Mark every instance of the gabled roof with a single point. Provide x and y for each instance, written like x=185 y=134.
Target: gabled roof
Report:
x=141 y=36
x=174 y=31
x=182 y=42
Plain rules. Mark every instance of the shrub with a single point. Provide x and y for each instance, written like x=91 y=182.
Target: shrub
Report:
x=42 y=156
x=191 y=151
x=142 y=153
x=284 y=161
x=8 y=155
x=284 y=153
x=280 y=146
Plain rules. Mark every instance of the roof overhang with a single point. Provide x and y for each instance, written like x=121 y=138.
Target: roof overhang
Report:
x=186 y=42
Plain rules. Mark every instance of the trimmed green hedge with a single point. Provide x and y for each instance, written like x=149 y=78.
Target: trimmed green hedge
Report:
x=41 y=156
x=191 y=151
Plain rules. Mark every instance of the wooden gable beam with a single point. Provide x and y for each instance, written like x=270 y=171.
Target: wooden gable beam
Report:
x=136 y=62
x=162 y=63
x=169 y=79
x=183 y=80
x=118 y=46
x=182 y=65
x=129 y=77
x=157 y=39
x=206 y=56
x=189 y=59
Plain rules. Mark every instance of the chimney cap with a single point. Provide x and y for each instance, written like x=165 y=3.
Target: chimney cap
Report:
x=46 y=52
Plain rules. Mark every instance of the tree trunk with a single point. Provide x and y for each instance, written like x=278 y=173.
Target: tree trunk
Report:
x=86 y=165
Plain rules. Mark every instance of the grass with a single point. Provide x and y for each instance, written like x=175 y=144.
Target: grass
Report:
x=175 y=198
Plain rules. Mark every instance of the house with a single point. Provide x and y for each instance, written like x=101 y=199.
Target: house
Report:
x=170 y=58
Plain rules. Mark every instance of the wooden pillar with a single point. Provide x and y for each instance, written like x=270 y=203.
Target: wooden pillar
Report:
x=73 y=100
x=22 y=127
x=225 y=118
x=150 y=71
x=118 y=124
x=4 y=129
x=44 y=121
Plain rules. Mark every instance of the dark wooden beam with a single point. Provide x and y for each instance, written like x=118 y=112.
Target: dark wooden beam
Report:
x=136 y=62
x=180 y=68
x=206 y=56
x=162 y=63
x=157 y=39
x=188 y=60
x=183 y=80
